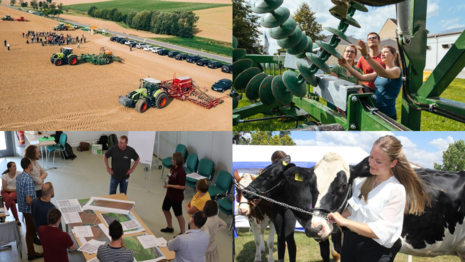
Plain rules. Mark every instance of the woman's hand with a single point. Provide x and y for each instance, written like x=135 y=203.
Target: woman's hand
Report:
x=166 y=186
x=363 y=48
x=336 y=217
x=343 y=62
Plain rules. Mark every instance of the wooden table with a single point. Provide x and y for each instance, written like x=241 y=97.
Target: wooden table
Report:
x=168 y=254
x=34 y=136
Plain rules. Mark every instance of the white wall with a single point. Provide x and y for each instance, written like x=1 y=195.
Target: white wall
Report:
x=437 y=52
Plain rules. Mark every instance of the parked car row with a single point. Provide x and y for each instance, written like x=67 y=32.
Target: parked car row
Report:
x=194 y=59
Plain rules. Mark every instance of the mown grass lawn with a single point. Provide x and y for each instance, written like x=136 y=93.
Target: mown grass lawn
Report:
x=307 y=250
x=127 y=6
x=201 y=44
x=429 y=121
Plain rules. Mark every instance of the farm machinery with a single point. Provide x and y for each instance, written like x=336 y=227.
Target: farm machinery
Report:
x=66 y=56
x=296 y=92
x=8 y=18
x=64 y=27
x=155 y=93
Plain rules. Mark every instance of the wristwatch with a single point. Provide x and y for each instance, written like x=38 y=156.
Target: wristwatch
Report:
x=366 y=57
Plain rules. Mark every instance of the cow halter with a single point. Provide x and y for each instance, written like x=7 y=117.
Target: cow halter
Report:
x=271 y=189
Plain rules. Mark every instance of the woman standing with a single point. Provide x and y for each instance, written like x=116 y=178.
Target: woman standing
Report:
x=175 y=193
x=9 y=189
x=376 y=210
x=38 y=174
x=214 y=224
x=284 y=223
x=387 y=81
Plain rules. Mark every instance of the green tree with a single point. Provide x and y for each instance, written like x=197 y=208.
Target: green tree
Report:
x=306 y=20
x=49 y=1
x=284 y=133
x=286 y=140
x=260 y=138
x=52 y=6
x=275 y=140
x=40 y=5
x=60 y=6
x=34 y=4
x=129 y=18
x=245 y=28
x=91 y=10
x=12 y=2
x=453 y=158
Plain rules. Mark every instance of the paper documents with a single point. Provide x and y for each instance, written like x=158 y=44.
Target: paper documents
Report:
x=67 y=203
x=71 y=209
x=195 y=176
x=128 y=225
x=148 y=241
x=36 y=142
x=70 y=218
x=93 y=260
x=91 y=247
x=109 y=205
x=142 y=254
x=83 y=231
x=128 y=221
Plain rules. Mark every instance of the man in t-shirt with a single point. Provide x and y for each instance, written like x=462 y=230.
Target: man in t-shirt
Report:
x=373 y=42
x=115 y=251
x=120 y=170
x=55 y=242
x=26 y=192
x=41 y=206
x=192 y=245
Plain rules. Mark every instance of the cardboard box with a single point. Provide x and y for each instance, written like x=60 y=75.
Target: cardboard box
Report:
x=96 y=149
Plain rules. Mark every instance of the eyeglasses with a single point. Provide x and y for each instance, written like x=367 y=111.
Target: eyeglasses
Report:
x=350 y=52
x=372 y=38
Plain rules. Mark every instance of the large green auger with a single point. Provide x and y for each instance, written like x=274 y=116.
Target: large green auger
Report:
x=289 y=36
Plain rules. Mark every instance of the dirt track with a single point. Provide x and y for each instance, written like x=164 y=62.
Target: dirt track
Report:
x=37 y=95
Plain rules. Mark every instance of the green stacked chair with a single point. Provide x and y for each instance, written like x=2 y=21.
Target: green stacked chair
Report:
x=191 y=163
x=166 y=162
x=225 y=206
x=206 y=169
x=222 y=185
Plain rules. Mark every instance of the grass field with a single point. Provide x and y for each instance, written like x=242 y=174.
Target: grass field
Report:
x=127 y=6
x=201 y=44
x=307 y=250
x=429 y=122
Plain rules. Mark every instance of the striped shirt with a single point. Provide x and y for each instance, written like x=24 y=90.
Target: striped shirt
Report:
x=24 y=187
x=106 y=253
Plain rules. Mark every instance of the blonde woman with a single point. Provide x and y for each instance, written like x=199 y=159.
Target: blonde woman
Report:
x=387 y=81
x=376 y=210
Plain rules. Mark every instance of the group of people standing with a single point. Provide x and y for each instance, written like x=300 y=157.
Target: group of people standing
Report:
x=377 y=68
x=53 y=38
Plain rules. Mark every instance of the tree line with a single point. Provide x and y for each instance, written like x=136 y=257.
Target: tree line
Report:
x=178 y=23
x=46 y=7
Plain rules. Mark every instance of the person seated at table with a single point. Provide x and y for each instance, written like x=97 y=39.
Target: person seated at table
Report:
x=9 y=189
x=55 y=242
x=213 y=224
x=38 y=174
x=192 y=245
x=350 y=53
x=115 y=251
x=200 y=198
x=175 y=186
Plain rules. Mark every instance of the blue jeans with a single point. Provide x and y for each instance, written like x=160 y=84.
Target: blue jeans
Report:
x=123 y=185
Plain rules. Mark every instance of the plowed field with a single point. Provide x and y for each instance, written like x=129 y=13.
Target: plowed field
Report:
x=37 y=95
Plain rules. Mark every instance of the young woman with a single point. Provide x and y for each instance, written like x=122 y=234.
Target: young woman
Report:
x=9 y=189
x=376 y=210
x=387 y=81
x=350 y=53
x=175 y=194
x=284 y=223
x=38 y=174
x=214 y=224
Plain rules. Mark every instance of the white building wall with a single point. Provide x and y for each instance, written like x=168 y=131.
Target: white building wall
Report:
x=437 y=51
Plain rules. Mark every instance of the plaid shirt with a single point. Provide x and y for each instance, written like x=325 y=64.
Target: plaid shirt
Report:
x=24 y=187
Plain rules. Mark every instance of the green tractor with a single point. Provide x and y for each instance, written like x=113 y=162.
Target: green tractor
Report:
x=65 y=56
x=149 y=94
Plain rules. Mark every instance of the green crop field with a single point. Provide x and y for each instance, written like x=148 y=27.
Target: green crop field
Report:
x=127 y=6
x=429 y=121
x=201 y=44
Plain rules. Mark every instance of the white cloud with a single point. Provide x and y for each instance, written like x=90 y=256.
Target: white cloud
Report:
x=433 y=9
x=442 y=144
x=365 y=140
x=446 y=23
x=455 y=26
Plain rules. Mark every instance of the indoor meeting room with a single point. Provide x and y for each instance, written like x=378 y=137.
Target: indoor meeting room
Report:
x=144 y=193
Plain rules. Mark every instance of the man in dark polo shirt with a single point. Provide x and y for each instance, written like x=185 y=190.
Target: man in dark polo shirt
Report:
x=120 y=170
x=54 y=240
x=40 y=206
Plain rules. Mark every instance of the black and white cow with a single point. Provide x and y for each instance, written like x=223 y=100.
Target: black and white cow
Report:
x=439 y=231
x=301 y=189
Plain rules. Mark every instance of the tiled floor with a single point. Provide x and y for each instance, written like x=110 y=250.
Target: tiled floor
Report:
x=86 y=176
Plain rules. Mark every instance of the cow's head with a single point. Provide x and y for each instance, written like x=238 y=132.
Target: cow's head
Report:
x=334 y=179
x=244 y=181
x=286 y=183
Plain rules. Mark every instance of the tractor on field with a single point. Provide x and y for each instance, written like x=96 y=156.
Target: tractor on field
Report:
x=65 y=56
x=155 y=93
x=22 y=19
x=149 y=94
x=64 y=27
x=7 y=18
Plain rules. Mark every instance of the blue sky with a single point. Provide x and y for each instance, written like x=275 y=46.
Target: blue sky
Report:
x=442 y=15
x=422 y=148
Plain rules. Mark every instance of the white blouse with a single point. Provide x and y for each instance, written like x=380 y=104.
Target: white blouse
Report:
x=384 y=213
x=11 y=182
